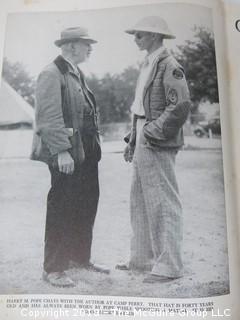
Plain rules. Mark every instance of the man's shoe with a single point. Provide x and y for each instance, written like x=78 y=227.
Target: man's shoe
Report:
x=75 y=265
x=122 y=267
x=89 y=266
x=127 y=267
x=58 y=279
x=96 y=268
x=153 y=278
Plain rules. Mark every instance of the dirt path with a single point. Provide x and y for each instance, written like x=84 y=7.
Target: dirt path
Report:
x=23 y=189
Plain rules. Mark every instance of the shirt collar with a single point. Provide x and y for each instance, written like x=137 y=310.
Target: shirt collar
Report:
x=150 y=58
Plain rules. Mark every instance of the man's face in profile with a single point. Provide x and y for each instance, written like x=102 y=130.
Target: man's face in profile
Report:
x=144 y=40
x=81 y=50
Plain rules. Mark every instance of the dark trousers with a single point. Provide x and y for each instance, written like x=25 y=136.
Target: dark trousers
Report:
x=71 y=209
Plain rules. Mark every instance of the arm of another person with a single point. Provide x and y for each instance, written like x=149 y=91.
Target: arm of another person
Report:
x=49 y=119
x=177 y=106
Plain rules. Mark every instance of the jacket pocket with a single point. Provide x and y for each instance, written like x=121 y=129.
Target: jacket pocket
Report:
x=97 y=147
x=40 y=151
x=176 y=119
x=77 y=151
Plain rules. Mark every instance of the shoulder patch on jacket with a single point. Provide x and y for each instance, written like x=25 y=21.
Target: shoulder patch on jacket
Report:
x=172 y=96
x=178 y=74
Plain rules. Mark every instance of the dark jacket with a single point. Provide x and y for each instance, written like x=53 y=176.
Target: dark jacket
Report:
x=60 y=105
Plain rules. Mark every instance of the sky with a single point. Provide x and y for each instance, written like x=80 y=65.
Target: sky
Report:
x=30 y=36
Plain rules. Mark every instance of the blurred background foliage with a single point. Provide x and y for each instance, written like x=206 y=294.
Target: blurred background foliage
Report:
x=115 y=93
x=18 y=78
x=199 y=61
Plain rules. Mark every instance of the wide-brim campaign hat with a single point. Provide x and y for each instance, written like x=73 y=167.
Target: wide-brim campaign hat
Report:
x=74 y=34
x=153 y=24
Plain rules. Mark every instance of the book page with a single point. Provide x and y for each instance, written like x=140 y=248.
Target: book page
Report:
x=208 y=285
x=232 y=27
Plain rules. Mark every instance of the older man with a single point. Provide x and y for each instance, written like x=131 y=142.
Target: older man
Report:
x=66 y=138
x=160 y=109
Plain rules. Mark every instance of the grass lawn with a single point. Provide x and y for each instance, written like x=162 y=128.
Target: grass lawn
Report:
x=24 y=186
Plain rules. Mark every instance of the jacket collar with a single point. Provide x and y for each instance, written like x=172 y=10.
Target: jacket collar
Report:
x=64 y=67
x=152 y=57
x=163 y=55
x=62 y=64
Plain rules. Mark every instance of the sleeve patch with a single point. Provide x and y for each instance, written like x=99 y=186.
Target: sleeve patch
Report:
x=172 y=97
x=178 y=74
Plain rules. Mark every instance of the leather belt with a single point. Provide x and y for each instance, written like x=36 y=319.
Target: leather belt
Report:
x=140 y=117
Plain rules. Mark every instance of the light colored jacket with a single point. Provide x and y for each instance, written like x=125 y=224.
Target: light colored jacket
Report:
x=60 y=104
x=166 y=103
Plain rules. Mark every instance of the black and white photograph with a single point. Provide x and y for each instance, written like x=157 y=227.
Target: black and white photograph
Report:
x=111 y=161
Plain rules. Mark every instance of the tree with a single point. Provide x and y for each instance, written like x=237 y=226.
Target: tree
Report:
x=199 y=61
x=114 y=94
x=16 y=75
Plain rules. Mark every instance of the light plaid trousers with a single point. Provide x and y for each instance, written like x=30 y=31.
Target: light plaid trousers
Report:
x=156 y=213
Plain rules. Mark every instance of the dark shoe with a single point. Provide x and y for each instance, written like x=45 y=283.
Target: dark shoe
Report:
x=152 y=278
x=122 y=267
x=75 y=265
x=89 y=266
x=97 y=268
x=58 y=279
x=127 y=267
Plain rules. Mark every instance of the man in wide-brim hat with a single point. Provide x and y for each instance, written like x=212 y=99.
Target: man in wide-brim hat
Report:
x=66 y=138
x=74 y=34
x=160 y=108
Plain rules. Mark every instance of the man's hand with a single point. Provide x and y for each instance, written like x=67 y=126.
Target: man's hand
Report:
x=65 y=162
x=128 y=153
